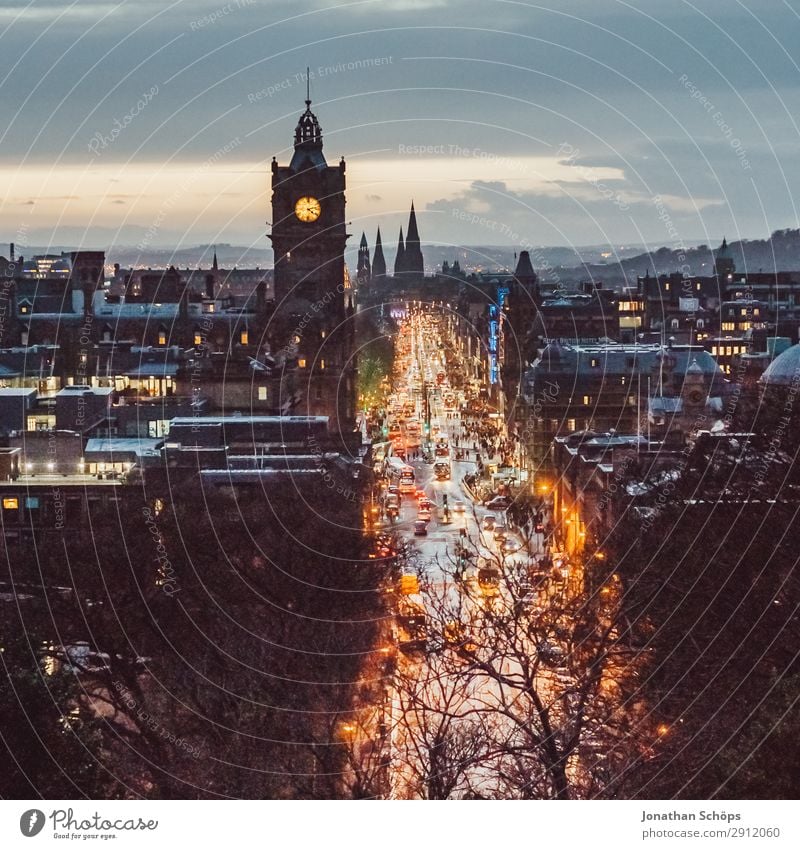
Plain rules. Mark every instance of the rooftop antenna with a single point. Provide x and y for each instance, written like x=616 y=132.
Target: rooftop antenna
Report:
x=308 y=86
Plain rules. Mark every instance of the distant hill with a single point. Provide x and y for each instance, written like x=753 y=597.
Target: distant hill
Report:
x=614 y=265
x=780 y=252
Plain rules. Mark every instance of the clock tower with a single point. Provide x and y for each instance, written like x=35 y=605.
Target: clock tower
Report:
x=312 y=325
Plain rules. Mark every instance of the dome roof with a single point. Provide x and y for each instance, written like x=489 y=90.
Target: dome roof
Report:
x=784 y=369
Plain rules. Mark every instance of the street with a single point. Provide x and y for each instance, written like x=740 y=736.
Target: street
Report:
x=486 y=662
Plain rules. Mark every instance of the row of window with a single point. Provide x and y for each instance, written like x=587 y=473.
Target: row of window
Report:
x=728 y=350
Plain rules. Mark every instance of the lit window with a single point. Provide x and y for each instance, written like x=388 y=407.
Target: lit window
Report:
x=10 y=504
x=262 y=393
x=744 y=312
x=301 y=363
x=756 y=311
x=243 y=337
x=666 y=287
x=162 y=337
x=594 y=363
x=622 y=380
x=728 y=325
x=697 y=286
x=23 y=310
x=322 y=334
x=570 y=424
x=713 y=350
x=322 y=364
x=587 y=399
x=296 y=339
x=198 y=339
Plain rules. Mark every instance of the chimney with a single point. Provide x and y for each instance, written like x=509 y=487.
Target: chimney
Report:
x=11 y=252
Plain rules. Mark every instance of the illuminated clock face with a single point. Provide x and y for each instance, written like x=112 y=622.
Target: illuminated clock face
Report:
x=307 y=209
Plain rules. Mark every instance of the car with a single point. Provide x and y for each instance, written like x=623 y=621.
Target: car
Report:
x=552 y=655
x=456 y=637
x=499 y=533
x=529 y=601
x=420 y=528
x=420 y=493
x=459 y=507
x=499 y=502
x=489 y=580
x=488 y=523
x=423 y=515
x=426 y=504
x=510 y=546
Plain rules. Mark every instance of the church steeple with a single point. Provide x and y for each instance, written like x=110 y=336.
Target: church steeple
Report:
x=413 y=254
x=214 y=265
x=363 y=274
x=378 y=261
x=400 y=259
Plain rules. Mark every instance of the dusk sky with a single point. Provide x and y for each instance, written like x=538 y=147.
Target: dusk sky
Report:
x=507 y=122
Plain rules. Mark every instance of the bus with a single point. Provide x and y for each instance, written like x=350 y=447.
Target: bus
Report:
x=402 y=474
x=441 y=468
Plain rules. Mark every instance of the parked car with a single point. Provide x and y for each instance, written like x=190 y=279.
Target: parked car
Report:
x=499 y=502
x=500 y=532
x=488 y=523
x=510 y=546
x=459 y=507
x=420 y=528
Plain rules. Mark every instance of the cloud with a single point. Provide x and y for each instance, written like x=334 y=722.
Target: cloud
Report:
x=373 y=198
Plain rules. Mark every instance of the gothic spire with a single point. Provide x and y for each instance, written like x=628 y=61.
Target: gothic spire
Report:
x=364 y=272
x=413 y=254
x=400 y=259
x=378 y=260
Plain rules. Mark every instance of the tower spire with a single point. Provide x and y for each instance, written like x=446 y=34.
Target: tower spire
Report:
x=378 y=260
x=413 y=253
x=400 y=259
x=308 y=87
x=364 y=273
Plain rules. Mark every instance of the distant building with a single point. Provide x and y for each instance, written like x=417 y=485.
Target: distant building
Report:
x=604 y=387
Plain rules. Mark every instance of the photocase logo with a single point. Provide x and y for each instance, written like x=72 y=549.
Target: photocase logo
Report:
x=31 y=822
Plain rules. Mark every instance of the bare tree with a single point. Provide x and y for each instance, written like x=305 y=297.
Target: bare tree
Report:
x=522 y=688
